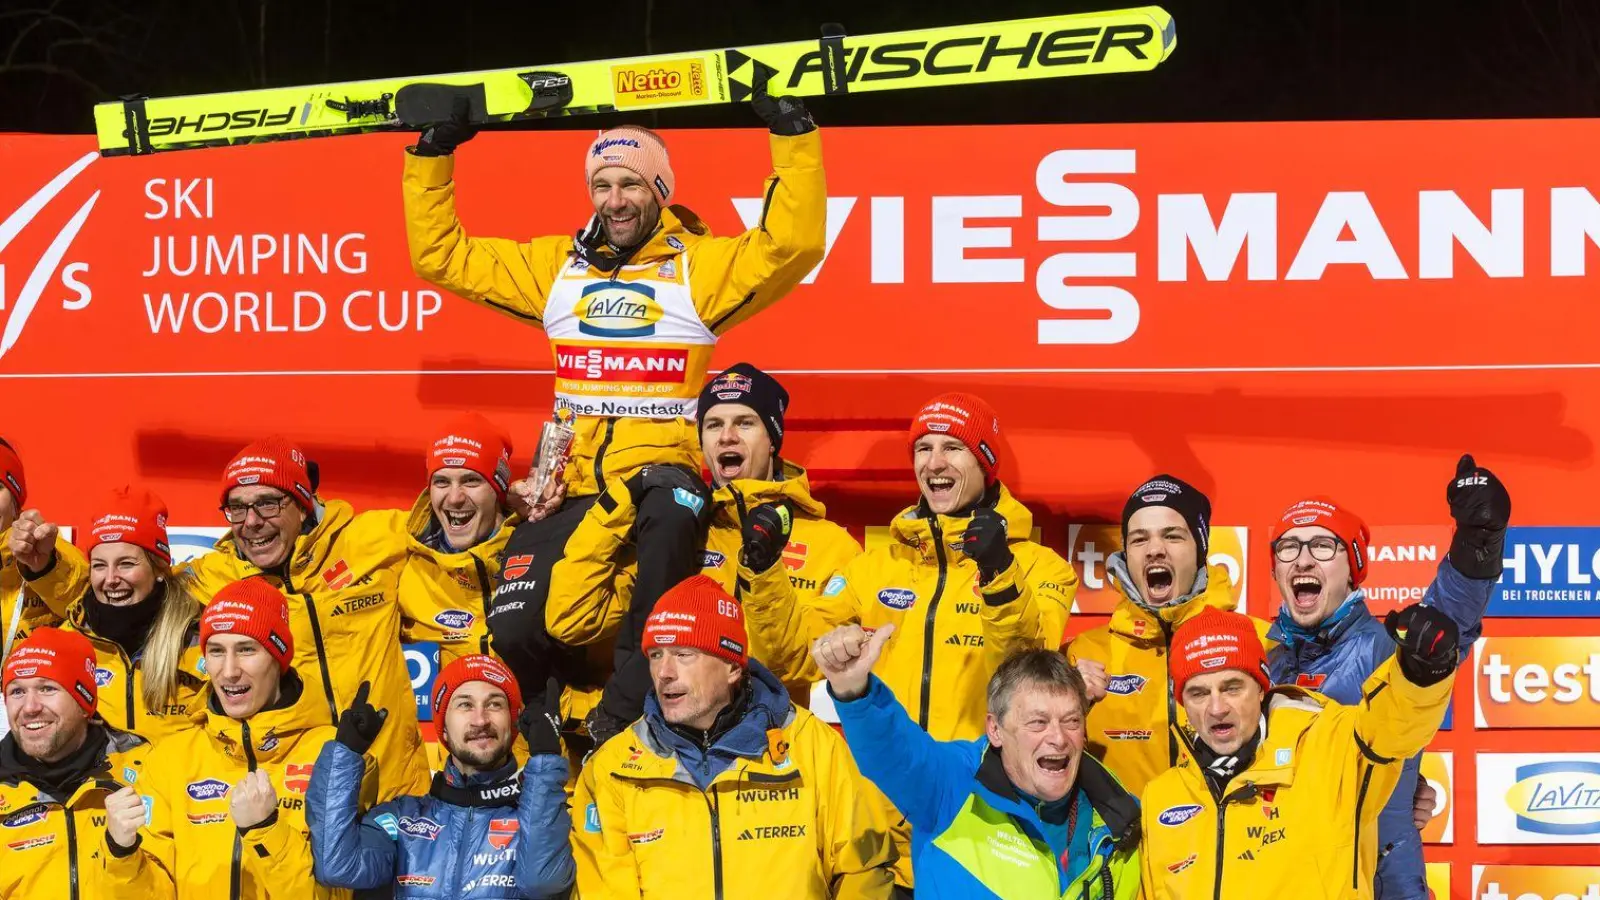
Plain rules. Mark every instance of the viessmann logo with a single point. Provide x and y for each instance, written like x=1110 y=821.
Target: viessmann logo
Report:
x=48 y=281
x=627 y=364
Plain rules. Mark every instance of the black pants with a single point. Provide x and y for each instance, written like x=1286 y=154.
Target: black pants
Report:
x=668 y=541
x=516 y=612
x=668 y=538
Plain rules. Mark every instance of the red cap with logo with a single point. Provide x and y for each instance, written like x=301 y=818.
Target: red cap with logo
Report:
x=65 y=657
x=131 y=515
x=1214 y=641
x=254 y=608
x=968 y=419
x=697 y=613
x=1322 y=512
x=476 y=667
x=272 y=462
x=472 y=442
x=11 y=476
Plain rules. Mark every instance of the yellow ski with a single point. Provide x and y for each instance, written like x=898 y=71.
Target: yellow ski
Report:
x=1129 y=40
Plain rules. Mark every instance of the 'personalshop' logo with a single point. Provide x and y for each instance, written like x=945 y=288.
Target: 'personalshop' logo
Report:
x=1125 y=685
x=1177 y=815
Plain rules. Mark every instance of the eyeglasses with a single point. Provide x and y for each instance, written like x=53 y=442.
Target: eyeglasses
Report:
x=266 y=508
x=1322 y=548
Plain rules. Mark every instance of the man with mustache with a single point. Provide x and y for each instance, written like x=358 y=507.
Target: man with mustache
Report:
x=481 y=826
x=633 y=305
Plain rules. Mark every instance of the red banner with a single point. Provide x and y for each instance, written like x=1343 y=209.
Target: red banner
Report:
x=1267 y=310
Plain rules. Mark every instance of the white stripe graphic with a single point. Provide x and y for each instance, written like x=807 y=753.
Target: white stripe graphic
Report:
x=24 y=214
x=43 y=271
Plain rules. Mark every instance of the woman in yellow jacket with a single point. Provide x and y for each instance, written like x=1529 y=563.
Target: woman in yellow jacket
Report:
x=223 y=806
x=1278 y=791
x=137 y=614
x=769 y=542
x=1164 y=582
x=57 y=771
x=633 y=306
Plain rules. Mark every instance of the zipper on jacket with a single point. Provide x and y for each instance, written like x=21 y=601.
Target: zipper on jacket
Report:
x=488 y=600
x=1172 y=701
x=72 y=851
x=716 y=843
x=322 y=651
x=452 y=874
x=600 y=457
x=1222 y=819
x=1361 y=798
x=129 y=688
x=738 y=502
x=927 y=630
x=236 y=873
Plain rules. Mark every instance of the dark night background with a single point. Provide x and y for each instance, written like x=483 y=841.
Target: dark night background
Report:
x=1235 y=60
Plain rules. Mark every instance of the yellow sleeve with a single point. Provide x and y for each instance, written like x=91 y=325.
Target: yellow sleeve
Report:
x=209 y=573
x=1396 y=719
x=606 y=868
x=279 y=856
x=1010 y=615
x=66 y=581
x=782 y=624
x=1054 y=587
x=858 y=854
x=504 y=275
x=148 y=870
x=734 y=278
x=590 y=585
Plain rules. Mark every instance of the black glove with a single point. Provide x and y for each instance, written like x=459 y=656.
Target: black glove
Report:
x=1481 y=507
x=785 y=116
x=1427 y=643
x=766 y=533
x=540 y=722
x=443 y=139
x=602 y=726
x=667 y=477
x=984 y=542
x=360 y=724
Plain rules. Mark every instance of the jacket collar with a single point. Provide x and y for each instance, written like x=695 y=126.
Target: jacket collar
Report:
x=1290 y=711
x=1133 y=619
x=1350 y=613
x=1117 y=808
x=422 y=526
x=501 y=787
x=311 y=550
x=658 y=752
x=272 y=733
x=914 y=526
x=791 y=486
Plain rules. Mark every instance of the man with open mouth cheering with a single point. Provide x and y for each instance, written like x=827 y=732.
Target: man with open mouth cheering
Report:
x=1164 y=580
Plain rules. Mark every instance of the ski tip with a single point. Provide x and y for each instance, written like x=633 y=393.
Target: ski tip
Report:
x=1166 y=26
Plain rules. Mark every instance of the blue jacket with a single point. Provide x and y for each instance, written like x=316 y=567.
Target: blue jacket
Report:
x=485 y=837
x=972 y=834
x=1337 y=661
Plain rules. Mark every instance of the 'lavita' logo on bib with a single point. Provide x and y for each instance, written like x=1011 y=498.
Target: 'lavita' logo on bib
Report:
x=618 y=309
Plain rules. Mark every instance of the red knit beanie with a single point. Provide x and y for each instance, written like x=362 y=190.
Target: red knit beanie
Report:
x=254 y=608
x=699 y=614
x=1324 y=513
x=65 y=657
x=968 y=419
x=11 y=476
x=131 y=516
x=472 y=442
x=272 y=462
x=474 y=668
x=637 y=149
x=1213 y=641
